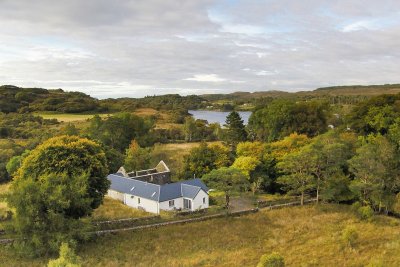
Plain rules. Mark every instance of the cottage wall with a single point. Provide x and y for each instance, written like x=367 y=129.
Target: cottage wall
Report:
x=116 y=195
x=197 y=202
x=145 y=204
x=178 y=204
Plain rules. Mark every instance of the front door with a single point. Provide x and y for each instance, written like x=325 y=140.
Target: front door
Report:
x=187 y=204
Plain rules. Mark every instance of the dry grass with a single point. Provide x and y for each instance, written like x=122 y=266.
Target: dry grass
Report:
x=3 y=190
x=113 y=209
x=304 y=236
x=66 y=117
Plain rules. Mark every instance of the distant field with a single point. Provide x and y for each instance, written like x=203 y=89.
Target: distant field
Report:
x=304 y=236
x=67 y=117
x=163 y=119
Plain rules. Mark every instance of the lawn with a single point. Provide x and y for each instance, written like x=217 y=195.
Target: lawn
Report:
x=304 y=236
x=113 y=209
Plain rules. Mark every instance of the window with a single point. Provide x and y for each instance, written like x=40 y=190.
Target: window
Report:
x=187 y=204
x=171 y=203
x=138 y=200
x=204 y=200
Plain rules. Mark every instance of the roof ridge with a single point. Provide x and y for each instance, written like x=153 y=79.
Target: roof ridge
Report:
x=191 y=185
x=130 y=179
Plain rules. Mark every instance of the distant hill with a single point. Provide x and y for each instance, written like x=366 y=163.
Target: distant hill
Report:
x=17 y=99
x=23 y=100
x=13 y=99
x=360 y=91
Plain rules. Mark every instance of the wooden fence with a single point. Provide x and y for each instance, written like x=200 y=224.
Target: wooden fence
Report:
x=183 y=221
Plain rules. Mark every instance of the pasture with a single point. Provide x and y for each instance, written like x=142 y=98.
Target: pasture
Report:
x=304 y=236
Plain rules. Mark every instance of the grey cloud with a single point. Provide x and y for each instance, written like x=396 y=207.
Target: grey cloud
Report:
x=137 y=48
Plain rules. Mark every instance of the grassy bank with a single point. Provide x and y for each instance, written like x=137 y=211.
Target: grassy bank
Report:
x=305 y=236
x=112 y=209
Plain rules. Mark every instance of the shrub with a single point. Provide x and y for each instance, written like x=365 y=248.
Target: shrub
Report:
x=271 y=260
x=67 y=258
x=349 y=236
x=355 y=206
x=366 y=213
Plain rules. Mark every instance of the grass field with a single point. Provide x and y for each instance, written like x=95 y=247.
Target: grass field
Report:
x=304 y=236
x=67 y=117
x=163 y=119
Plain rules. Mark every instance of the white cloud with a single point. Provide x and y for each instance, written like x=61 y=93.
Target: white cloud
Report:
x=357 y=26
x=205 y=78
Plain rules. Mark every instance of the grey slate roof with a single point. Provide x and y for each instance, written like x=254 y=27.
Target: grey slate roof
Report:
x=160 y=193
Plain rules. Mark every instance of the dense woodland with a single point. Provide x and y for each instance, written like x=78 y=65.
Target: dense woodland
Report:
x=336 y=148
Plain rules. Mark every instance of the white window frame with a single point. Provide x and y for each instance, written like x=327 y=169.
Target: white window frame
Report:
x=171 y=203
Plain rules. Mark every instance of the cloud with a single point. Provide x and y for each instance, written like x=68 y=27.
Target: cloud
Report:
x=206 y=78
x=137 y=48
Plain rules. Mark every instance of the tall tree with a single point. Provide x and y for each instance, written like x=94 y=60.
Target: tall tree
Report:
x=228 y=180
x=236 y=131
x=282 y=117
x=328 y=156
x=189 y=128
x=59 y=184
x=376 y=170
x=205 y=158
x=297 y=169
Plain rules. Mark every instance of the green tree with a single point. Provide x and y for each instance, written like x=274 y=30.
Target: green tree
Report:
x=236 y=131
x=297 y=169
x=328 y=156
x=189 y=128
x=375 y=167
x=205 y=158
x=282 y=117
x=119 y=130
x=69 y=129
x=15 y=162
x=59 y=184
x=271 y=260
x=228 y=180
x=67 y=258
x=136 y=157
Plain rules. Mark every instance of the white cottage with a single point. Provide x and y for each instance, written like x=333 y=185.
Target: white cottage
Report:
x=188 y=195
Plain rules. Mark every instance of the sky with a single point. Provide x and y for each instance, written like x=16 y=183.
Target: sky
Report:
x=134 y=48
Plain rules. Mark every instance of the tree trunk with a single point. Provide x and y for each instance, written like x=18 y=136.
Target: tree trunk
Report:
x=227 y=200
x=318 y=193
x=302 y=199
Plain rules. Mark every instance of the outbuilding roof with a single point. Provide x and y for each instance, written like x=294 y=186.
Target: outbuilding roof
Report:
x=160 y=193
